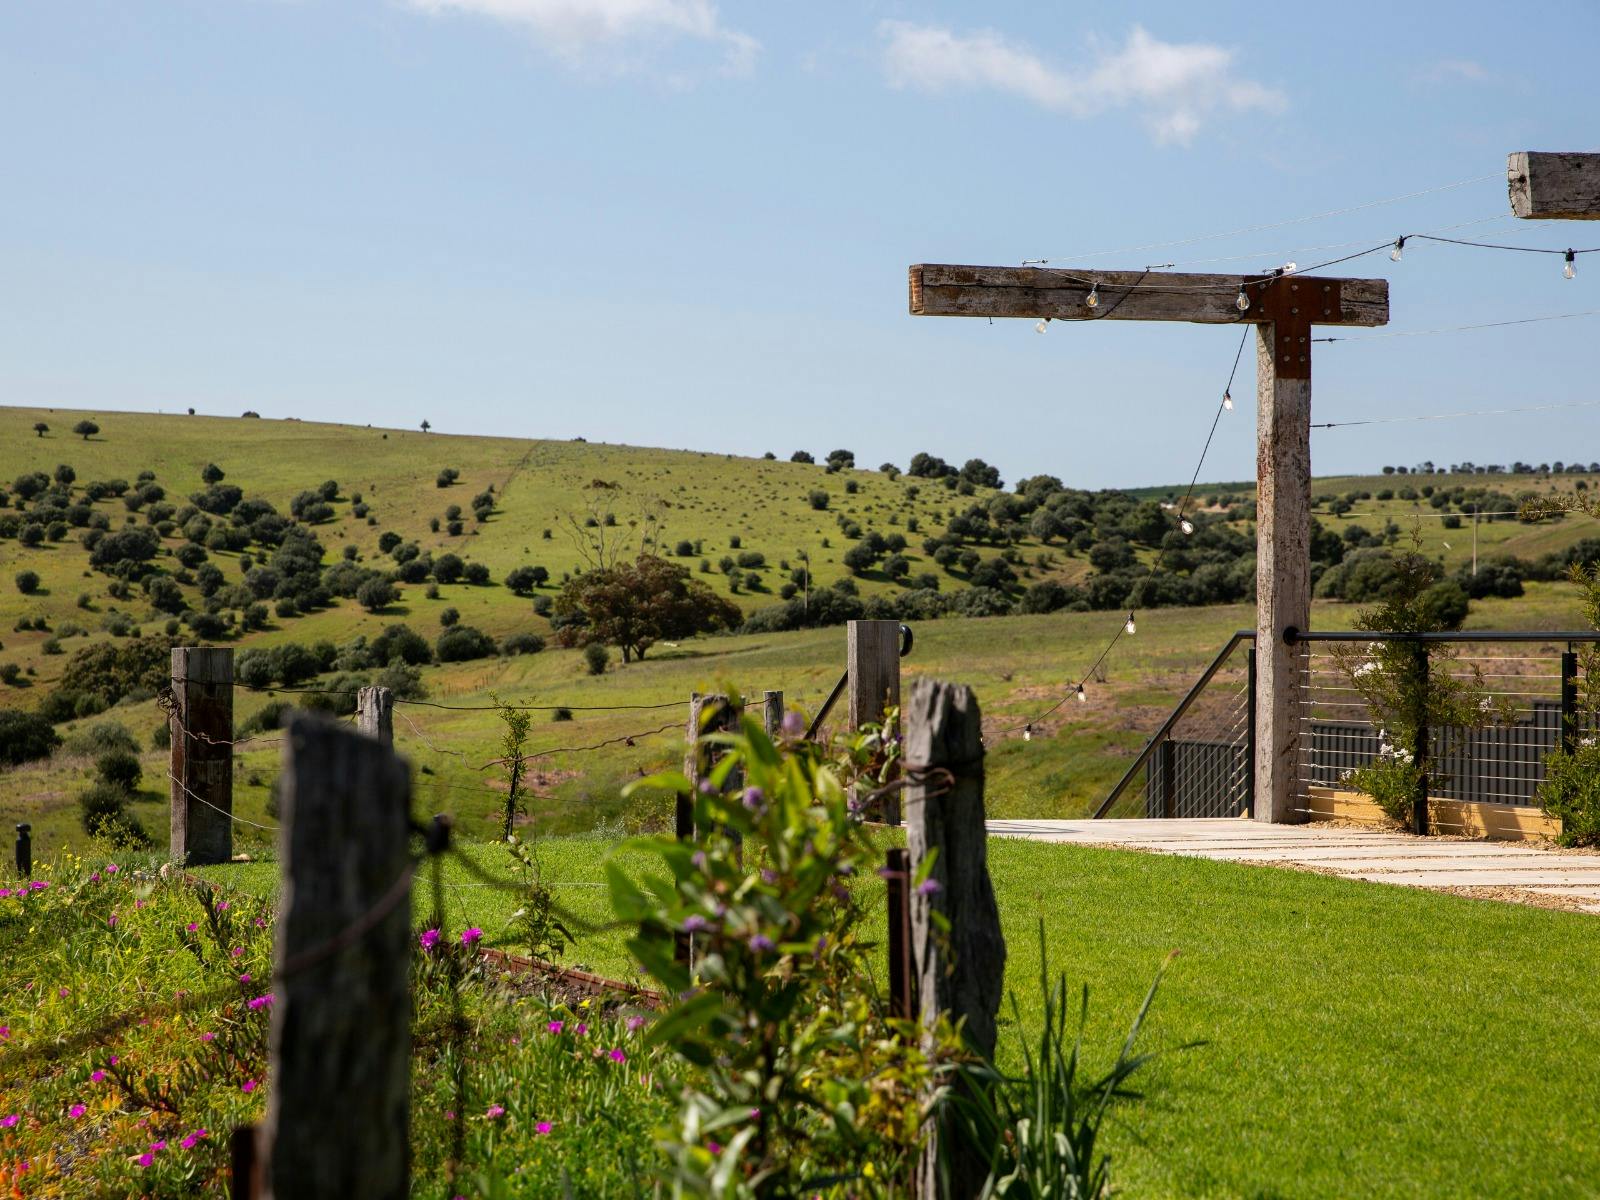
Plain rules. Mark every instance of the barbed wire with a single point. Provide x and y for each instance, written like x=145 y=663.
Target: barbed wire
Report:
x=628 y=738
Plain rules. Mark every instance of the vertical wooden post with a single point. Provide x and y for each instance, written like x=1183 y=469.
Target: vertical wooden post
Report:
x=375 y=713
x=707 y=714
x=338 y=1110
x=1250 y=734
x=1283 y=548
x=201 y=758
x=772 y=712
x=902 y=996
x=873 y=666
x=960 y=972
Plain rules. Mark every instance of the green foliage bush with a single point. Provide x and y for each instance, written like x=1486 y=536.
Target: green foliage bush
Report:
x=101 y=737
x=25 y=736
x=119 y=768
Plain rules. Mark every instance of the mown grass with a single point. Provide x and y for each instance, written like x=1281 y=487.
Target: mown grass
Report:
x=1360 y=1039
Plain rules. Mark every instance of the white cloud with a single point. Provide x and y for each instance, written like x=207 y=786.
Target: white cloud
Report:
x=1448 y=70
x=577 y=30
x=1177 y=87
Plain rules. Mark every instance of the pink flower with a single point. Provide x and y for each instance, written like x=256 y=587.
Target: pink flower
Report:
x=76 y=1111
x=111 y=921
x=428 y=939
x=245 y=978
x=260 y=1001
x=95 y=877
x=714 y=1147
x=449 y=1115
x=39 y=885
x=192 y=926
x=222 y=906
x=6 y=1122
x=112 y=868
x=208 y=1036
x=617 y=1056
x=755 y=1114
x=188 y=1143
x=261 y=922
x=635 y=1024
x=5 y=1033
x=112 y=1061
x=249 y=1085
x=98 y=1076
x=469 y=936
x=495 y=1110
x=155 y=1146
x=543 y=1127
x=4 y=892
x=146 y=1159
x=582 y=1028
x=237 y=952
x=63 y=993
x=138 y=903
x=556 y=1026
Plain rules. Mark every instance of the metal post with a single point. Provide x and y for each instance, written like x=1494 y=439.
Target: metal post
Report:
x=24 y=850
x=1569 y=700
x=902 y=1000
x=1169 y=779
x=1419 y=806
x=1250 y=736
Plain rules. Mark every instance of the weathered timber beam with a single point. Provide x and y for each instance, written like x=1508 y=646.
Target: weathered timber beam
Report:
x=940 y=290
x=1547 y=186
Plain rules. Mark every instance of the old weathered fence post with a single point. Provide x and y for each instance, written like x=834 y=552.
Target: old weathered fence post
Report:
x=960 y=972
x=772 y=712
x=873 y=663
x=338 y=1110
x=707 y=714
x=375 y=713
x=24 y=850
x=201 y=758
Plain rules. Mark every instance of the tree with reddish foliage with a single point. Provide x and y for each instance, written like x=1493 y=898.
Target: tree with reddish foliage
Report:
x=635 y=605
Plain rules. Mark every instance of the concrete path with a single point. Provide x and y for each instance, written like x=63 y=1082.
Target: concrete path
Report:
x=1511 y=870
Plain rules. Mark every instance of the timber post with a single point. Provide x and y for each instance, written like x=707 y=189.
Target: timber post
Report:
x=338 y=1111
x=201 y=757
x=872 y=662
x=375 y=714
x=959 y=972
x=772 y=713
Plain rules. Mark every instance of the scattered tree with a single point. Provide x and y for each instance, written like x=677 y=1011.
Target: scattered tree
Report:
x=86 y=429
x=634 y=605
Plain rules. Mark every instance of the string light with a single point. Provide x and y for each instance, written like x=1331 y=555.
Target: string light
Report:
x=1042 y=325
x=1399 y=248
x=1571 y=268
x=1027 y=733
x=1129 y=627
x=1227 y=400
x=1092 y=300
x=1242 y=302
x=1186 y=525
x=1083 y=697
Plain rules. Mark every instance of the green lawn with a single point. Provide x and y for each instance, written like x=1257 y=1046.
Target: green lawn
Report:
x=1361 y=1039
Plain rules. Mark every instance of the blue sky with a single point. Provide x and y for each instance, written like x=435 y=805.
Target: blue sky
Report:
x=676 y=223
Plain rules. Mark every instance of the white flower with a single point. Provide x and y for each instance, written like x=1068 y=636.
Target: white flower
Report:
x=1366 y=668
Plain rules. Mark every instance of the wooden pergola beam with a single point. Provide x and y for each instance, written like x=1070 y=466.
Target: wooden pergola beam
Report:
x=1552 y=186
x=941 y=290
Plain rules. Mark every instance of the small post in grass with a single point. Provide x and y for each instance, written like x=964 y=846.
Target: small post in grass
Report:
x=24 y=850
x=200 y=762
x=338 y=1110
x=707 y=714
x=873 y=665
x=375 y=713
x=902 y=996
x=772 y=712
x=959 y=971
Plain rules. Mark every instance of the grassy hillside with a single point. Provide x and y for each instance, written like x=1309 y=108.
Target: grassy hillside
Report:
x=1019 y=664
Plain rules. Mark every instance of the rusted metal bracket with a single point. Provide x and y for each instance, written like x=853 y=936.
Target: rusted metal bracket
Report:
x=1292 y=304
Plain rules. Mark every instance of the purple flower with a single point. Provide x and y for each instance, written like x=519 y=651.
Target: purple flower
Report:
x=188 y=1143
x=793 y=724
x=249 y=1085
x=761 y=943
x=428 y=939
x=97 y=1076
x=929 y=887
x=112 y=868
x=556 y=1026
x=4 y=892
x=581 y=1029
x=76 y=1111
x=698 y=858
x=261 y=1001
x=38 y=885
x=208 y=1037
x=6 y=1122
x=146 y=1159
x=754 y=798
x=245 y=977
x=237 y=952
x=222 y=906
x=543 y=1127
x=768 y=875
x=469 y=936
x=495 y=1110
x=617 y=1056
x=192 y=926
x=694 y=923
x=94 y=877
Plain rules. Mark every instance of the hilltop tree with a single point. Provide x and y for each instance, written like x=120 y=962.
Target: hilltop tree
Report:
x=40 y=428
x=426 y=427
x=635 y=605
x=211 y=473
x=86 y=429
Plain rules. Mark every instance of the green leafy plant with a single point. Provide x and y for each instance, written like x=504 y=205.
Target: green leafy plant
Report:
x=512 y=740
x=1044 y=1125
x=535 y=923
x=1570 y=790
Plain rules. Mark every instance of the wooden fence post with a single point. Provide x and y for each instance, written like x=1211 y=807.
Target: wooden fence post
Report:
x=772 y=712
x=375 y=713
x=961 y=972
x=201 y=758
x=707 y=714
x=337 y=1122
x=873 y=662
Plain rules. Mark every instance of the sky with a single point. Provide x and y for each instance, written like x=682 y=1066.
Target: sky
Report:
x=688 y=224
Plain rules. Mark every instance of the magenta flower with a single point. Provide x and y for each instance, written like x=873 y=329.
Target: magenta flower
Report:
x=495 y=1110
x=97 y=1076
x=543 y=1127
x=582 y=1028
x=208 y=1036
x=112 y=1061
x=9 y=1120
x=5 y=1033
x=428 y=939
x=261 y=922
x=111 y=921
x=157 y=1146
x=617 y=1056
x=469 y=936
x=249 y=1085
x=260 y=1001
x=929 y=887
x=94 y=877
x=112 y=868
x=449 y=1115
x=146 y=1159
x=63 y=993
x=39 y=885
x=714 y=1147
x=188 y=1143
x=755 y=1114
x=4 y=892
x=76 y=1111
x=192 y=926
x=635 y=1024
x=556 y=1026
x=237 y=952
x=222 y=906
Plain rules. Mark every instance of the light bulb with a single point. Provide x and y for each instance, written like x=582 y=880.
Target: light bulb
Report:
x=1042 y=325
x=1027 y=733
x=1243 y=302
x=1186 y=525
x=1571 y=268
x=1227 y=401
x=1083 y=697
x=1093 y=298
x=1399 y=247
x=1129 y=627
x=1290 y=268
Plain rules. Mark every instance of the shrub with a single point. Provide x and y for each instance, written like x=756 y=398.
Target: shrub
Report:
x=375 y=594
x=25 y=737
x=449 y=617
x=818 y=499
x=119 y=768
x=448 y=568
x=103 y=816
x=462 y=642
x=27 y=582
x=100 y=738
x=522 y=643
x=596 y=658
x=10 y=673
x=476 y=574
